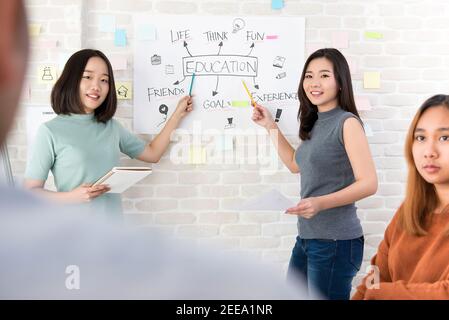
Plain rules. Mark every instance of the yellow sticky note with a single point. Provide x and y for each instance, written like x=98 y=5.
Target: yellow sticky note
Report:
x=34 y=29
x=373 y=35
x=124 y=90
x=371 y=80
x=46 y=74
x=197 y=155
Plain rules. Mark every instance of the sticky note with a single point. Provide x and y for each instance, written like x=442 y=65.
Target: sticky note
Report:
x=277 y=4
x=373 y=35
x=119 y=62
x=340 y=40
x=353 y=67
x=106 y=23
x=46 y=74
x=124 y=90
x=240 y=103
x=368 y=130
x=371 y=80
x=120 y=38
x=146 y=32
x=62 y=60
x=362 y=103
x=34 y=29
x=197 y=155
x=48 y=44
x=312 y=47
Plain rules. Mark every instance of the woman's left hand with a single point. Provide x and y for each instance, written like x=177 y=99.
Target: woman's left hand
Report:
x=185 y=105
x=306 y=208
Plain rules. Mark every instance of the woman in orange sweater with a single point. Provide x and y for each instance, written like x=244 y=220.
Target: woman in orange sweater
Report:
x=412 y=262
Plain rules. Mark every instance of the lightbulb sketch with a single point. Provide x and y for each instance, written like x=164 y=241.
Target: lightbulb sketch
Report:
x=237 y=25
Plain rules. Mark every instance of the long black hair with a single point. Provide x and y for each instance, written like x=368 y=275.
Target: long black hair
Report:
x=308 y=112
x=65 y=97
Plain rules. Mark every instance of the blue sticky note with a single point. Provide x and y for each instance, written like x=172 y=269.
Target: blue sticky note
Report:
x=146 y=32
x=106 y=23
x=120 y=38
x=277 y=4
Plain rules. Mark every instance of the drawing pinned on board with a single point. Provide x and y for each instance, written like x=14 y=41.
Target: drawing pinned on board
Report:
x=237 y=25
x=124 y=90
x=281 y=75
x=156 y=60
x=163 y=109
x=229 y=125
x=278 y=62
x=278 y=115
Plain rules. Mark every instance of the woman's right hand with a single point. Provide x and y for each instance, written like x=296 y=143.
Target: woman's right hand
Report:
x=263 y=117
x=86 y=192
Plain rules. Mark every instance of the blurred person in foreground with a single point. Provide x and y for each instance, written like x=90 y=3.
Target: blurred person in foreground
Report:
x=49 y=252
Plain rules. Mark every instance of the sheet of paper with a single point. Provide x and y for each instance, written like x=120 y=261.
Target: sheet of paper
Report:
x=272 y=200
x=146 y=32
x=340 y=39
x=120 y=38
x=106 y=23
x=362 y=103
x=124 y=90
x=371 y=80
x=277 y=4
x=119 y=62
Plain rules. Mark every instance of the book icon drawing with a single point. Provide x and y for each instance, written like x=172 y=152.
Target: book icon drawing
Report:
x=278 y=62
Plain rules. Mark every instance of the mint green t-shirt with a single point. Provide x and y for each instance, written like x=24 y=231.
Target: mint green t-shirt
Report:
x=77 y=149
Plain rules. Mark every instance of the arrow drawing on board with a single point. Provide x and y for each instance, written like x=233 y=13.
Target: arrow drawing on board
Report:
x=255 y=85
x=185 y=46
x=220 y=45
x=178 y=82
x=216 y=87
x=252 y=47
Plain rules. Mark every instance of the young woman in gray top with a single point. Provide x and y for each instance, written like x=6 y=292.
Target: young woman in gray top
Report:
x=336 y=169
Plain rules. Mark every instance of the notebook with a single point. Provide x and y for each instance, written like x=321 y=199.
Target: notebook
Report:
x=121 y=178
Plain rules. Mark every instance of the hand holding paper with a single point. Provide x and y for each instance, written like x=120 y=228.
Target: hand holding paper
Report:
x=306 y=208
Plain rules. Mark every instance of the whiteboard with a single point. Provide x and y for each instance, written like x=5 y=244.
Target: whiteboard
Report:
x=267 y=53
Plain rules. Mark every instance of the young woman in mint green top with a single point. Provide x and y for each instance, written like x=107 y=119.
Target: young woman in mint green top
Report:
x=83 y=142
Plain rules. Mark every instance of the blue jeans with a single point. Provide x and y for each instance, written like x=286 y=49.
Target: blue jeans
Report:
x=327 y=266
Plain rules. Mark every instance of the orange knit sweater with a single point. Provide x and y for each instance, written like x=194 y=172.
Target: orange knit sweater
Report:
x=411 y=267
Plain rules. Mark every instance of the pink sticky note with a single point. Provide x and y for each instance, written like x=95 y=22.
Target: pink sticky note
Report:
x=48 y=44
x=352 y=65
x=312 y=47
x=271 y=37
x=119 y=62
x=340 y=39
x=362 y=103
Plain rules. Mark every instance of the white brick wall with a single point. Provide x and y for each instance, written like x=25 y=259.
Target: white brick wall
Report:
x=198 y=201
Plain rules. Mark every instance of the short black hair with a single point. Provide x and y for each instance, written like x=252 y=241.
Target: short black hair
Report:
x=65 y=97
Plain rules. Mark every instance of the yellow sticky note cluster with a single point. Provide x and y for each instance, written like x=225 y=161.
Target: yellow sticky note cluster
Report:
x=371 y=80
x=373 y=35
x=34 y=29
x=47 y=74
x=197 y=155
x=124 y=90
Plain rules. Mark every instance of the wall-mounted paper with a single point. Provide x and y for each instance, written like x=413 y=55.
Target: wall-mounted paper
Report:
x=34 y=29
x=197 y=155
x=373 y=35
x=353 y=67
x=312 y=47
x=277 y=4
x=124 y=90
x=119 y=62
x=371 y=80
x=146 y=32
x=340 y=39
x=362 y=103
x=368 y=130
x=46 y=74
x=120 y=38
x=106 y=23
